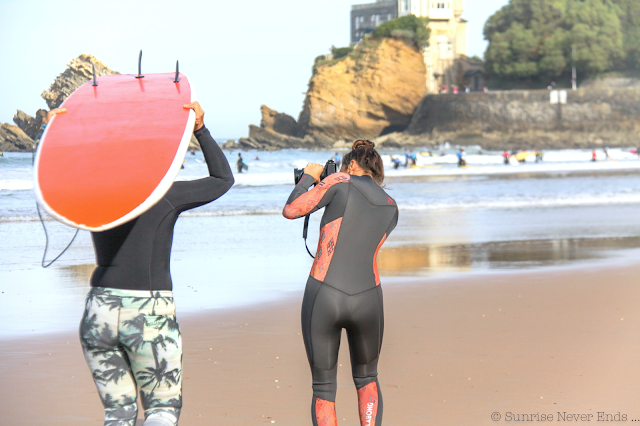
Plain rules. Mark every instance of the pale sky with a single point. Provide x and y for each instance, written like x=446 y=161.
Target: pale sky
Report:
x=237 y=54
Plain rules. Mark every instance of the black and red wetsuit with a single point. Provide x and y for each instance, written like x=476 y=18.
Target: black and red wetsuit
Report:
x=343 y=289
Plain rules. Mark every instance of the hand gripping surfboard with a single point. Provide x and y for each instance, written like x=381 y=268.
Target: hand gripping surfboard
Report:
x=116 y=151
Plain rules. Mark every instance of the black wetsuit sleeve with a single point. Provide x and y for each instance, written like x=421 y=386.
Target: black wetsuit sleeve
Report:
x=185 y=195
x=302 y=202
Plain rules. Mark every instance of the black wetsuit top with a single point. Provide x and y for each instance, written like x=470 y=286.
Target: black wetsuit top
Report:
x=137 y=254
x=343 y=289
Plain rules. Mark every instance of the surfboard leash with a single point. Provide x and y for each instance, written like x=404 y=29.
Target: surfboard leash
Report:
x=46 y=245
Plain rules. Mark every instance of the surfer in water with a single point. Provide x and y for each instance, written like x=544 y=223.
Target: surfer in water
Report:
x=129 y=333
x=240 y=164
x=343 y=289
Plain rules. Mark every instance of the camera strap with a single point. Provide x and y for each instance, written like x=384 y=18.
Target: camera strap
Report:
x=304 y=234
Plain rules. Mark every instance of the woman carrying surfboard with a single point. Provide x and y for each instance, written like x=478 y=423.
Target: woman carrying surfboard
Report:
x=129 y=333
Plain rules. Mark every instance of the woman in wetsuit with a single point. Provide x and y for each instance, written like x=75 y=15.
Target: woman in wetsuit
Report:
x=129 y=332
x=343 y=289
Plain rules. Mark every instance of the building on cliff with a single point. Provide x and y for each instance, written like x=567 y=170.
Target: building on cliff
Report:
x=366 y=17
x=448 y=40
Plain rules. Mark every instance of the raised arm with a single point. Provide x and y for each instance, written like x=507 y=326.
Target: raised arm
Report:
x=302 y=202
x=185 y=195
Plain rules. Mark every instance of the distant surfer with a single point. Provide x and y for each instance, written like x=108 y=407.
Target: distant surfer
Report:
x=129 y=333
x=539 y=155
x=461 y=158
x=193 y=151
x=594 y=156
x=240 y=164
x=505 y=157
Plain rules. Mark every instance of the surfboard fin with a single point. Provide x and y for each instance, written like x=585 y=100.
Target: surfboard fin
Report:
x=95 y=83
x=140 y=66
x=177 y=79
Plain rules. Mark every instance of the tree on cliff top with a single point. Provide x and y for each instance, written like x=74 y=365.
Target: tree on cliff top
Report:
x=533 y=39
x=408 y=27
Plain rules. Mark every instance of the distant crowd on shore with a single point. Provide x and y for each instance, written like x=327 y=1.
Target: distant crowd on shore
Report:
x=508 y=156
x=455 y=89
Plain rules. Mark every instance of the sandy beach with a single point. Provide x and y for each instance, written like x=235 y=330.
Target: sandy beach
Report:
x=456 y=350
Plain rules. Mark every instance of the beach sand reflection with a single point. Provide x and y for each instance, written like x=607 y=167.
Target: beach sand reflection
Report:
x=422 y=261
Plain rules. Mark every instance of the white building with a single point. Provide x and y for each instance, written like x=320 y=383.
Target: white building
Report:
x=448 y=38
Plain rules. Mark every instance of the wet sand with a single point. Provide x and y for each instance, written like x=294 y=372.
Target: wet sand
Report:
x=455 y=351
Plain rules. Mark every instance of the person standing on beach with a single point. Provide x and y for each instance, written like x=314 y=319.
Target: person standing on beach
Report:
x=343 y=289
x=129 y=333
x=337 y=158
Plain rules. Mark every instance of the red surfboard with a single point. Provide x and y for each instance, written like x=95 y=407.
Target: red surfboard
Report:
x=116 y=151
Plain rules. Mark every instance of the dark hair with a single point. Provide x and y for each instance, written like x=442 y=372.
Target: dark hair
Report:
x=364 y=153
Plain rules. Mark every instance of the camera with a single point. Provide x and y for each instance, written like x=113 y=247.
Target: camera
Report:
x=330 y=168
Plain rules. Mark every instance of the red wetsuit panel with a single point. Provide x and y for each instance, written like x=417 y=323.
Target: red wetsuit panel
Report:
x=368 y=404
x=305 y=203
x=375 y=260
x=326 y=413
x=326 y=249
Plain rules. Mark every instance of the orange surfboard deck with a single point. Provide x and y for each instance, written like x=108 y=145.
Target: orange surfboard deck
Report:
x=116 y=151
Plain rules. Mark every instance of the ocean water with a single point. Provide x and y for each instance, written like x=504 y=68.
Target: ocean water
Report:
x=239 y=250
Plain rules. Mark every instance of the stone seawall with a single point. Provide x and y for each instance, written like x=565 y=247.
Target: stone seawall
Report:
x=590 y=117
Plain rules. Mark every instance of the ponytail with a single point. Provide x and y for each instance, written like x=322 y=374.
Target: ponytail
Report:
x=364 y=153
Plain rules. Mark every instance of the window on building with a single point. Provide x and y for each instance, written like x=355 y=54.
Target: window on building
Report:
x=357 y=22
x=406 y=5
x=389 y=17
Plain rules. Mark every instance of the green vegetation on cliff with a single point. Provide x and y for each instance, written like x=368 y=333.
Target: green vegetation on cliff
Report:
x=409 y=27
x=537 y=40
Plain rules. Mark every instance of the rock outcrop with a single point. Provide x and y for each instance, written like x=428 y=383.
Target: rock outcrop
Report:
x=30 y=125
x=13 y=139
x=373 y=91
x=264 y=139
x=79 y=71
x=276 y=131
x=278 y=122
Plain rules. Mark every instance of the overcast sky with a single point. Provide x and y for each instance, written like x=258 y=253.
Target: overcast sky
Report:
x=237 y=54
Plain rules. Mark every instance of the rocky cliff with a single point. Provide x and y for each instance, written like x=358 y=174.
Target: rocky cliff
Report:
x=78 y=72
x=13 y=139
x=372 y=91
x=30 y=125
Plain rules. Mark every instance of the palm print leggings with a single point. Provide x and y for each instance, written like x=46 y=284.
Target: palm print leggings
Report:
x=131 y=340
